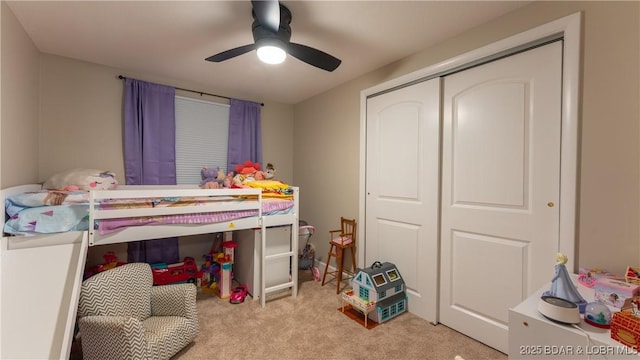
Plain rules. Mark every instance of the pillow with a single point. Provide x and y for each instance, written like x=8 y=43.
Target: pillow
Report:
x=82 y=179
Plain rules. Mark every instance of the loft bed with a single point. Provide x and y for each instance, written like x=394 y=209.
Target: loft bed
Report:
x=130 y=213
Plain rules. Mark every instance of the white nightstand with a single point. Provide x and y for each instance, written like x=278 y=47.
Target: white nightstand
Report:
x=532 y=336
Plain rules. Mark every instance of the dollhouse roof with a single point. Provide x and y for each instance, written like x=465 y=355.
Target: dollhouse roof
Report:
x=381 y=276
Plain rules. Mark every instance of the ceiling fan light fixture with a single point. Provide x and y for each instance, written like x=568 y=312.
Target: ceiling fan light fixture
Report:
x=271 y=54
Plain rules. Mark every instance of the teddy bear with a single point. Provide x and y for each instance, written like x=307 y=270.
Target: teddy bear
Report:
x=210 y=178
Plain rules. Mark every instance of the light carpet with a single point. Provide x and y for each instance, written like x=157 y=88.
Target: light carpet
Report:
x=310 y=327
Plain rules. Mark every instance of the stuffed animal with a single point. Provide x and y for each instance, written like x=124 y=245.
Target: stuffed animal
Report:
x=228 y=180
x=238 y=180
x=211 y=185
x=82 y=179
x=248 y=168
x=269 y=171
x=210 y=175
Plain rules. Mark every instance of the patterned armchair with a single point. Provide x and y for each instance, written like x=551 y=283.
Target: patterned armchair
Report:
x=123 y=316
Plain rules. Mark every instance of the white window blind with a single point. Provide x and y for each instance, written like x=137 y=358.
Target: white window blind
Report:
x=202 y=130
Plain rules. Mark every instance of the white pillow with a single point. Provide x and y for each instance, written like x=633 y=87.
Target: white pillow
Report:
x=82 y=179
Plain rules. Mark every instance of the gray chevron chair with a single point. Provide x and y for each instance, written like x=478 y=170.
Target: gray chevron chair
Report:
x=123 y=316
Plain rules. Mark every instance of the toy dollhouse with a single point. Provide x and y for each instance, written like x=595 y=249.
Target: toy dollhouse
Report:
x=381 y=285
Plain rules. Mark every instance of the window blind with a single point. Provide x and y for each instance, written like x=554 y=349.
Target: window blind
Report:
x=202 y=130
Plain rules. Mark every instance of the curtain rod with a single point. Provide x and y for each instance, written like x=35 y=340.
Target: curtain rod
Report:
x=193 y=91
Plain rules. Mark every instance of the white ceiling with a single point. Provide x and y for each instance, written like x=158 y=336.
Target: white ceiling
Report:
x=171 y=39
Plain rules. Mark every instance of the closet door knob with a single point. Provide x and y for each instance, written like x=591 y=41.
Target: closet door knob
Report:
x=550 y=204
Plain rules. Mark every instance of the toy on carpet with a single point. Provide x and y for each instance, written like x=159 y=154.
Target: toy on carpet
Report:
x=385 y=295
x=562 y=286
x=184 y=271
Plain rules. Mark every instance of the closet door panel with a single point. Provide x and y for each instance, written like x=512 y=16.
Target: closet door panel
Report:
x=401 y=223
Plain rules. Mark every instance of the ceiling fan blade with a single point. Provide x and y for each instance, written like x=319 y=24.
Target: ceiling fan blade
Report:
x=226 y=55
x=268 y=13
x=315 y=57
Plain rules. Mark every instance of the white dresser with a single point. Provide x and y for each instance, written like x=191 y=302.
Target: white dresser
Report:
x=532 y=336
x=246 y=267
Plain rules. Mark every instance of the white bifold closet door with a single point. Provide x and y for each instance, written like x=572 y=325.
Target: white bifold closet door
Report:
x=500 y=189
x=403 y=134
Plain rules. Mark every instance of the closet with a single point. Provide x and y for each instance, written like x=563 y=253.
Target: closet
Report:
x=473 y=187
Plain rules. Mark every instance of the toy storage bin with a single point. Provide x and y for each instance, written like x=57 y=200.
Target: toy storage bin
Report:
x=614 y=292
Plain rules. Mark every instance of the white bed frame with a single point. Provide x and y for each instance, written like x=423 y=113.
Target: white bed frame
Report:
x=41 y=275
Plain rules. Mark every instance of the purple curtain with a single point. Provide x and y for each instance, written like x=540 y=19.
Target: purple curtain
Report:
x=149 y=155
x=245 y=134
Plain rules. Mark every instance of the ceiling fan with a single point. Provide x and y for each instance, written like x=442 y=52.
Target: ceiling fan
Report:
x=271 y=33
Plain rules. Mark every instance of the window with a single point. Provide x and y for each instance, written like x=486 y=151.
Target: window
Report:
x=363 y=293
x=393 y=275
x=379 y=279
x=202 y=129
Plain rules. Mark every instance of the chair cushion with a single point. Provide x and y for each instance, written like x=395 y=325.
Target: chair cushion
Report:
x=121 y=291
x=166 y=335
x=342 y=240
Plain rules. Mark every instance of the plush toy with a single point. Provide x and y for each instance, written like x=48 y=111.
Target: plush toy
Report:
x=82 y=179
x=269 y=171
x=248 y=168
x=211 y=185
x=238 y=180
x=210 y=175
x=228 y=180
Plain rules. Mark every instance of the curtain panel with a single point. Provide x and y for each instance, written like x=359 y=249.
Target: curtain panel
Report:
x=149 y=154
x=245 y=133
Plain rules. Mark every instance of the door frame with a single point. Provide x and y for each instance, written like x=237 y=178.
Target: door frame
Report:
x=569 y=29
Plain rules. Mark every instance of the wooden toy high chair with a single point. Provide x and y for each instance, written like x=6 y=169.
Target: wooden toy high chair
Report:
x=340 y=240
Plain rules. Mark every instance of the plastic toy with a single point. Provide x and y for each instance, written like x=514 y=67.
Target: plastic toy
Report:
x=562 y=286
x=238 y=294
x=185 y=271
x=224 y=285
x=598 y=315
x=110 y=261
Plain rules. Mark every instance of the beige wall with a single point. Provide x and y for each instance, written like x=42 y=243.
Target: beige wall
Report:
x=81 y=126
x=81 y=118
x=326 y=145
x=20 y=98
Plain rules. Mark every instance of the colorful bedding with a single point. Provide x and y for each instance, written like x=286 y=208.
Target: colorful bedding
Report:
x=45 y=212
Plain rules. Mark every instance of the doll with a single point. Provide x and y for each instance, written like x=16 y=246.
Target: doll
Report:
x=562 y=286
